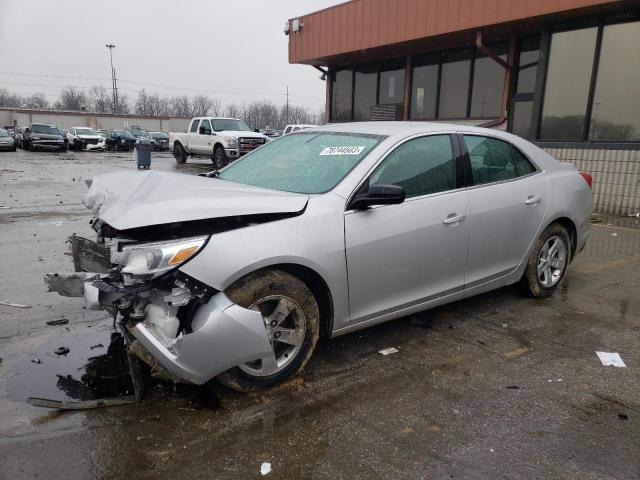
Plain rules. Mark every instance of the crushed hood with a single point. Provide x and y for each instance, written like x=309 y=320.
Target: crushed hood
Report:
x=127 y=199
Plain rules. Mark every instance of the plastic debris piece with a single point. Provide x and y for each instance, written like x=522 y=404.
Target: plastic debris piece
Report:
x=614 y=234
x=623 y=416
x=388 y=351
x=265 y=468
x=611 y=359
x=17 y=305
x=61 y=351
x=36 y=360
x=513 y=387
x=60 y=321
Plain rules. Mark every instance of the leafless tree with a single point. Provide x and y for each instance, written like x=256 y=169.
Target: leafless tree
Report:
x=71 y=98
x=9 y=99
x=201 y=104
x=233 y=110
x=100 y=99
x=180 y=106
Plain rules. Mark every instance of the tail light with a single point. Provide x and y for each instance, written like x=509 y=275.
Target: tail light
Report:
x=587 y=178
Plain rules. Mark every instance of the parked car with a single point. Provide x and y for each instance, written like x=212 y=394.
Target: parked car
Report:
x=295 y=128
x=323 y=232
x=221 y=139
x=6 y=141
x=160 y=139
x=118 y=139
x=81 y=138
x=43 y=135
x=271 y=133
x=11 y=129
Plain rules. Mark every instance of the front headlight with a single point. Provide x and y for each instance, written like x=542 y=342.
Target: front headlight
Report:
x=153 y=259
x=232 y=142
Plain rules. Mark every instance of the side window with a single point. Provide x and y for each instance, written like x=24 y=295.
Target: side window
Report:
x=523 y=165
x=422 y=166
x=194 y=126
x=492 y=160
x=287 y=130
x=207 y=126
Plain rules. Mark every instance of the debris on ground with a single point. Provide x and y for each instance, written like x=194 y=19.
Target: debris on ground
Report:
x=4 y=207
x=265 y=468
x=60 y=321
x=98 y=345
x=614 y=234
x=611 y=359
x=513 y=387
x=636 y=215
x=388 y=351
x=17 y=305
x=61 y=351
x=36 y=360
x=623 y=416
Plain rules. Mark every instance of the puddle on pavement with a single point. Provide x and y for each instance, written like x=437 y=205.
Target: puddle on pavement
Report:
x=95 y=367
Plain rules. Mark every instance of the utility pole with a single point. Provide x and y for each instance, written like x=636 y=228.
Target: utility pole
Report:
x=287 y=114
x=114 y=84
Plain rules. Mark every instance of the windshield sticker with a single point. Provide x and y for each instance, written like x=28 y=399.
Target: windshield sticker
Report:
x=347 y=150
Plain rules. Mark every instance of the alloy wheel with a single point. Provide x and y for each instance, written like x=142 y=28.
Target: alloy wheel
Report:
x=551 y=261
x=285 y=323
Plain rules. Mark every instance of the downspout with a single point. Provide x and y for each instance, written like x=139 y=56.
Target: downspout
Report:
x=508 y=78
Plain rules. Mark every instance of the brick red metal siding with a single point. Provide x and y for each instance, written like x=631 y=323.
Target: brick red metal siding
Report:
x=362 y=24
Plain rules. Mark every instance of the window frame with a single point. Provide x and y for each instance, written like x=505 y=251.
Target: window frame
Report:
x=467 y=160
x=459 y=169
x=543 y=68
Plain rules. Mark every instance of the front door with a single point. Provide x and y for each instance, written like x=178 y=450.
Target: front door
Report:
x=403 y=255
x=508 y=199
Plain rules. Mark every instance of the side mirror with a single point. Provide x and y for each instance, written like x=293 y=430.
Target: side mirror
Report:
x=378 y=194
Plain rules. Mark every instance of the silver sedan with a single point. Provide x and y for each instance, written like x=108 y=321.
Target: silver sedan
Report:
x=320 y=233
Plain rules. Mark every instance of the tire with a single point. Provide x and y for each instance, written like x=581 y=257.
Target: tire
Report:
x=63 y=149
x=289 y=302
x=548 y=261
x=29 y=147
x=180 y=154
x=219 y=158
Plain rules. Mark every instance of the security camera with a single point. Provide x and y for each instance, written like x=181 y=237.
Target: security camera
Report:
x=286 y=28
x=297 y=25
x=323 y=77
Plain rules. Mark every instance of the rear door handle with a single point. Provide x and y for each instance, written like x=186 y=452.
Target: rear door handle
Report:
x=532 y=200
x=453 y=218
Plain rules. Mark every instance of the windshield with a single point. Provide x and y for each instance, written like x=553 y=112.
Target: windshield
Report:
x=230 y=124
x=138 y=133
x=302 y=163
x=159 y=135
x=122 y=133
x=86 y=131
x=3 y=133
x=47 y=129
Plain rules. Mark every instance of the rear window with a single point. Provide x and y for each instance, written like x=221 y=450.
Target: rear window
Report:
x=302 y=162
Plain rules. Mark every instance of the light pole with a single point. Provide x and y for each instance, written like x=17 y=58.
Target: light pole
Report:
x=114 y=84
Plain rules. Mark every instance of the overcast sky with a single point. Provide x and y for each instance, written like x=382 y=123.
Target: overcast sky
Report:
x=234 y=50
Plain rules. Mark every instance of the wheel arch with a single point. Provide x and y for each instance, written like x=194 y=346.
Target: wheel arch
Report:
x=572 y=230
x=318 y=286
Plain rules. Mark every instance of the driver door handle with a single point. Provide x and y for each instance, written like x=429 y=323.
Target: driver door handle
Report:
x=453 y=218
x=532 y=200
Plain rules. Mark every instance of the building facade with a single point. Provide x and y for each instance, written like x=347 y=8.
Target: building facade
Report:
x=564 y=74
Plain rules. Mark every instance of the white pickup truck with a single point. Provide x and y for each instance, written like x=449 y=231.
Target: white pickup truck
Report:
x=221 y=139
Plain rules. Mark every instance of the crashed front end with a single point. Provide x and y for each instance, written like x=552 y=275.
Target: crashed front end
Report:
x=184 y=330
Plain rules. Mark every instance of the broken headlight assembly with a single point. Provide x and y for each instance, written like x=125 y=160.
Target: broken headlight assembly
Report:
x=150 y=260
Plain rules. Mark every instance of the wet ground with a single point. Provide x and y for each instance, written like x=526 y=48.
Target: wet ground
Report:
x=497 y=386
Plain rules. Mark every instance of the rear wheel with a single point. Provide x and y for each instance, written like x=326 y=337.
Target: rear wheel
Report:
x=219 y=158
x=180 y=154
x=548 y=261
x=291 y=318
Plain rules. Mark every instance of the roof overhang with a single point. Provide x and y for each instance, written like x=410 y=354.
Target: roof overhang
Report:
x=365 y=30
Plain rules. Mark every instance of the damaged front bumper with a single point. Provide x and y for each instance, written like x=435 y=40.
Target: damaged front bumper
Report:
x=221 y=334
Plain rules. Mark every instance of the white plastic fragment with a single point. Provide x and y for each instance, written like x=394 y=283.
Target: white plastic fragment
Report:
x=265 y=468
x=611 y=359
x=614 y=234
x=388 y=351
x=17 y=305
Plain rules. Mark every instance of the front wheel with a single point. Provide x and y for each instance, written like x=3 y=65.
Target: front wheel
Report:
x=180 y=154
x=548 y=261
x=219 y=158
x=290 y=314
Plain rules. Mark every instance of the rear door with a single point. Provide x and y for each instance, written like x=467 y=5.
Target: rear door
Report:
x=508 y=197
x=402 y=255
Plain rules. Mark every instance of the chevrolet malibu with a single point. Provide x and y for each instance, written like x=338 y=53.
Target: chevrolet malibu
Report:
x=320 y=233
